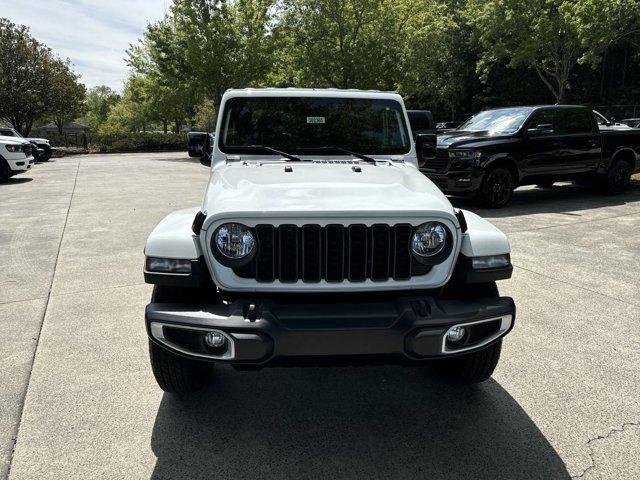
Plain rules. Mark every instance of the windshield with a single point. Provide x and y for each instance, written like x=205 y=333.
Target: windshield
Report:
x=504 y=120
x=9 y=132
x=305 y=124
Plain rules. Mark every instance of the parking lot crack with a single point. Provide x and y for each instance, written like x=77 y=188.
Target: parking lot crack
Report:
x=590 y=443
x=44 y=316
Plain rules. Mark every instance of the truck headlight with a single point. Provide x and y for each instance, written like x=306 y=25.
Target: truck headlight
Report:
x=13 y=148
x=465 y=154
x=234 y=241
x=429 y=239
x=168 y=265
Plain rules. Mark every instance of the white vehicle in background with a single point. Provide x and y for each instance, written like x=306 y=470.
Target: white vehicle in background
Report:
x=605 y=124
x=16 y=156
x=319 y=241
x=42 y=150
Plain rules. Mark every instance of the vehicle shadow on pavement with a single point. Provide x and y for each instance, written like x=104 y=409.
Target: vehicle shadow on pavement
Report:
x=15 y=181
x=561 y=198
x=178 y=160
x=347 y=422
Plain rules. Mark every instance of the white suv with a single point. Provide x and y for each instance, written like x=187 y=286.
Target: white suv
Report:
x=319 y=241
x=15 y=157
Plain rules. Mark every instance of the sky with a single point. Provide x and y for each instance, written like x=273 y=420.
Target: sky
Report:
x=93 y=34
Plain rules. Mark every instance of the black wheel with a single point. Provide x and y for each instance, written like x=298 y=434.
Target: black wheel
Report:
x=619 y=177
x=4 y=170
x=472 y=367
x=175 y=373
x=46 y=154
x=545 y=184
x=497 y=189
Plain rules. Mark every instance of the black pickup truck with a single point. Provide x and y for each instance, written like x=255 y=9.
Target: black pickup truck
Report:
x=496 y=151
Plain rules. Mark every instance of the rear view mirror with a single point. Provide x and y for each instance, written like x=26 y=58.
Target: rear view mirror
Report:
x=425 y=147
x=542 y=129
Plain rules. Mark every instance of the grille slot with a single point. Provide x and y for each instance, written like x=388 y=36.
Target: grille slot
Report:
x=334 y=253
x=438 y=163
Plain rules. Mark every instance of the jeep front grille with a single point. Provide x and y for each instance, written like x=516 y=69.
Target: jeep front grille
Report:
x=334 y=253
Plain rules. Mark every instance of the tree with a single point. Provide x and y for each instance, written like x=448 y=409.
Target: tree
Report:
x=600 y=25
x=348 y=43
x=25 y=65
x=66 y=95
x=98 y=102
x=205 y=47
x=35 y=83
x=535 y=33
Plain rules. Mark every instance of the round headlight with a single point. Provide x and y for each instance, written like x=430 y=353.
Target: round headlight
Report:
x=429 y=239
x=234 y=240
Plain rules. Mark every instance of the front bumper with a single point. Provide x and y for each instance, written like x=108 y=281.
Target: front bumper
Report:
x=20 y=165
x=264 y=332
x=456 y=182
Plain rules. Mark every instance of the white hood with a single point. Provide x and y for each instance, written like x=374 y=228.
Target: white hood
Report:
x=12 y=140
x=321 y=190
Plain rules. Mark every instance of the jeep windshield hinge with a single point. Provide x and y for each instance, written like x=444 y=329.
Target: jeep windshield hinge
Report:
x=198 y=221
x=461 y=220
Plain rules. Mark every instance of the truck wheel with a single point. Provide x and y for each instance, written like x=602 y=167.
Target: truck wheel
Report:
x=472 y=367
x=619 y=177
x=497 y=188
x=46 y=155
x=4 y=170
x=175 y=373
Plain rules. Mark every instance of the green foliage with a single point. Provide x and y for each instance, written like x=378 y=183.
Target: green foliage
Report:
x=98 y=103
x=550 y=36
x=67 y=94
x=119 y=141
x=205 y=116
x=35 y=84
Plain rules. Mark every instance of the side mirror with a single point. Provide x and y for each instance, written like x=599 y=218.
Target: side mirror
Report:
x=425 y=147
x=205 y=159
x=542 y=129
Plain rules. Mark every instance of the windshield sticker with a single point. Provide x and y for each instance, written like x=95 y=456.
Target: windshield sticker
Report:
x=316 y=120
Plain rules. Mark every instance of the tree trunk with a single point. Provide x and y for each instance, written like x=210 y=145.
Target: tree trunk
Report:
x=165 y=126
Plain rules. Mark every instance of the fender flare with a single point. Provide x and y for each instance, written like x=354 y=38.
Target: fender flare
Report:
x=504 y=159
x=173 y=237
x=482 y=238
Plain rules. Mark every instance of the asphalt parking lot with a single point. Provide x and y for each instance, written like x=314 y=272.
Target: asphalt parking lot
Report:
x=78 y=400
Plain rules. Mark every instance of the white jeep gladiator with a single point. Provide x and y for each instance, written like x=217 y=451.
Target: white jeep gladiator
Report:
x=320 y=242
x=16 y=156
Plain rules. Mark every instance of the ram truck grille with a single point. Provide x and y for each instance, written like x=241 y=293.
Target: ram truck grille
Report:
x=439 y=163
x=334 y=253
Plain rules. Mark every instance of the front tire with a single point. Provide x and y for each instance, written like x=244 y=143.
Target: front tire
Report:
x=5 y=173
x=46 y=155
x=474 y=367
x=175 y=373
x=618 y=178
x=497 y=188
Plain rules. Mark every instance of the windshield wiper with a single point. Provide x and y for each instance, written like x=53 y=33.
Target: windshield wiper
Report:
x=286 y=155
x=366 y=158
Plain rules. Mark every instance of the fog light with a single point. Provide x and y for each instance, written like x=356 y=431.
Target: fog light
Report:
x=215 y=339
x=456 y=334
